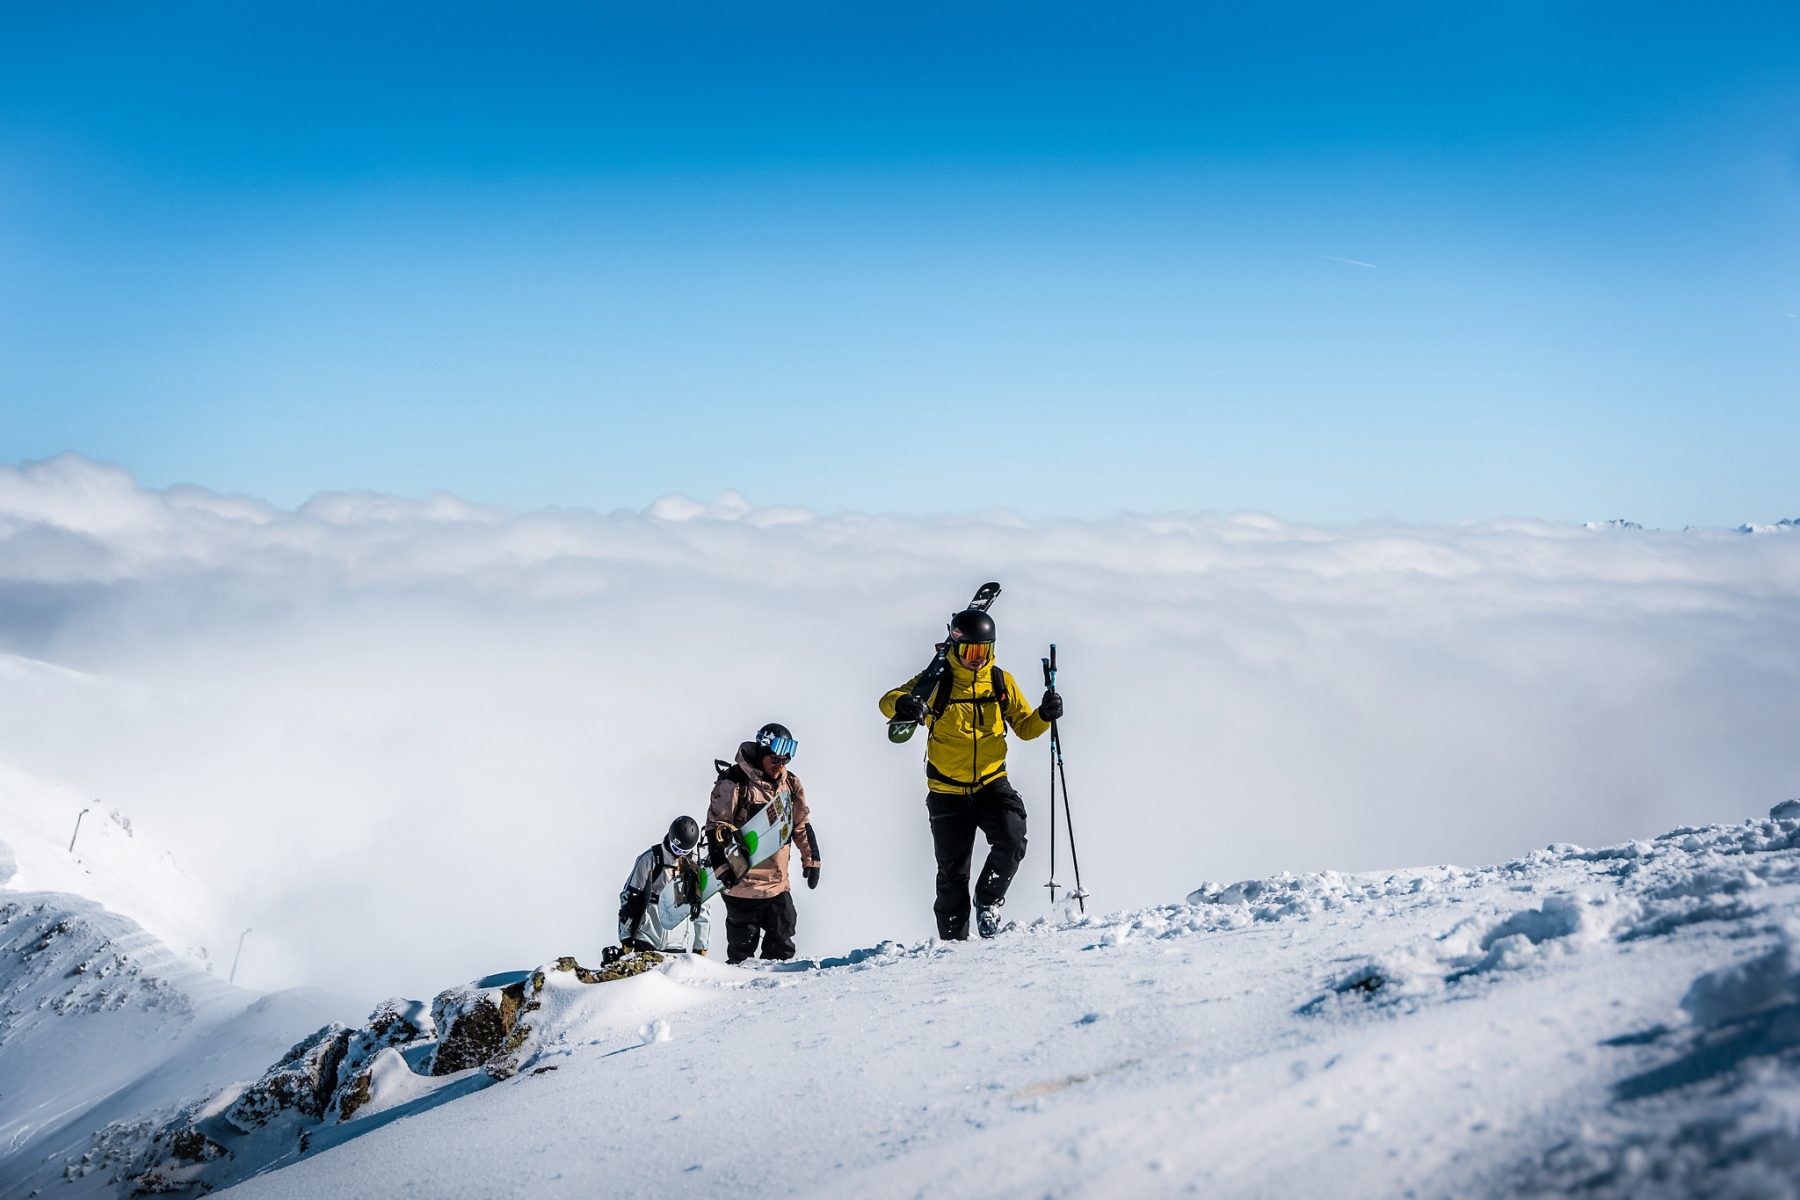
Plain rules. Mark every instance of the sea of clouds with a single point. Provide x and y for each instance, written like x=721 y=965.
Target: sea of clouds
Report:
x=417 y=741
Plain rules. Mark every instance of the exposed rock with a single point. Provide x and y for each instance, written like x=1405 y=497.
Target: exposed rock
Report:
x=351 y=1096
x=516 y=1051
x=332 y=1075
x=193 y=1146
x=632 y=962
x=393 y=1023
x=302 y=1082
x=176 y=1158
x=473 y=1024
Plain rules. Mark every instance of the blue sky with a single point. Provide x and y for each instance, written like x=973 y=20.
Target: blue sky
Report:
x=1330 y=261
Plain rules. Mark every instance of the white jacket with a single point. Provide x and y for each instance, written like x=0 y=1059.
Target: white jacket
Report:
x=653 y=909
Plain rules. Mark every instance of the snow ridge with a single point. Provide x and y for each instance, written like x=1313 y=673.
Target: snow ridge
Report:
x=1622 y=1021
x=1698 y=1080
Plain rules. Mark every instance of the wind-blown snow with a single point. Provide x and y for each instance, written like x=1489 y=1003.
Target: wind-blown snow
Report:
x=1616 y=1022
x=290 y=697
x=111 y=864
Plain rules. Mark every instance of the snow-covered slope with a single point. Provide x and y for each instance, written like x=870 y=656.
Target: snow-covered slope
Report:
x=1618 y=1022
x=104 y=1029
x=111 y=865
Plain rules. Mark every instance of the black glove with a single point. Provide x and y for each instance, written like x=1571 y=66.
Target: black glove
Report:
x=909 y=708
x=812 y=877
x=1050 y=708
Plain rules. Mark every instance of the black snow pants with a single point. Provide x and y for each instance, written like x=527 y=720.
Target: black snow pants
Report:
x=769 y=918
x=997 y=811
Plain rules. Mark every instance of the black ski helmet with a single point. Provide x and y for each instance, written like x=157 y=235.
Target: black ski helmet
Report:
x=971 y=625
x=775 y=739
x=684 y=835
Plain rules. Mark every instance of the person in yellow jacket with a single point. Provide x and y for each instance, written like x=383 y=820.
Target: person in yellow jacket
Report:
x=965 y=770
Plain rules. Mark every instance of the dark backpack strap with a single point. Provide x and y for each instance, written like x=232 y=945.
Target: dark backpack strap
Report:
x=735 y=773
x=996 y=680
x=941 y=699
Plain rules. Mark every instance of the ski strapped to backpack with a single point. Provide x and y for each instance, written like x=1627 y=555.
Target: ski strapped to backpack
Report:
x=924 y=687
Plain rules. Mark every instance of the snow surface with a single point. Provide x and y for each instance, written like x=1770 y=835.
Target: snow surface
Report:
x=111 y=864
x=104 y=1029
x=1622 y=1022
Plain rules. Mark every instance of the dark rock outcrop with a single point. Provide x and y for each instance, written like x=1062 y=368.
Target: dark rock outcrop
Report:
x=328 y=1078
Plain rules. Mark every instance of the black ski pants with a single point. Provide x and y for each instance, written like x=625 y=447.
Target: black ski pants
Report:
x=997 y=811
x=769 y=918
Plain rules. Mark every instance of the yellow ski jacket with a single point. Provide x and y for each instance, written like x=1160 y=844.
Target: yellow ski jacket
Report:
x=967 y=747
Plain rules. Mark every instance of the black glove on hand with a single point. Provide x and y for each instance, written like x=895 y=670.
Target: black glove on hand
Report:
x=1051 y=707
x=812 y=877
x=909 y=708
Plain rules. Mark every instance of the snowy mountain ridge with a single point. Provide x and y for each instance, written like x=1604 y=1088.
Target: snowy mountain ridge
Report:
x=110 y=1009
x=110 y=864
x=1621 y=1021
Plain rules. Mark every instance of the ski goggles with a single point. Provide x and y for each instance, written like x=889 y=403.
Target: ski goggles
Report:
x=974 y=654
x=783 y=748
x=677 y=849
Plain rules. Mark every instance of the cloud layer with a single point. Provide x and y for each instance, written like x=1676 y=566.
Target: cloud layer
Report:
x=422 y=739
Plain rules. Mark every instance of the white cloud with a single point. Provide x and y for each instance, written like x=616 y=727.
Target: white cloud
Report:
x=458 y=723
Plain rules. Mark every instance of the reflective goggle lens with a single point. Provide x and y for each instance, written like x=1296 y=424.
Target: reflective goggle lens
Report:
x=974 y=654
x=783 y=748
x=679 y=850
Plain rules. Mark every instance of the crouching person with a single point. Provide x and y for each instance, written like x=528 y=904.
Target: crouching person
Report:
x=659 y=900
x=760 y=908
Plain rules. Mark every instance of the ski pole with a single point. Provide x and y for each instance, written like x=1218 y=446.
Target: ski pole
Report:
x=1050 y=682
x=1080 y=893
x=1062 y=772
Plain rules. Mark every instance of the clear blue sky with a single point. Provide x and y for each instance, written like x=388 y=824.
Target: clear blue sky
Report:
x=1329 y=260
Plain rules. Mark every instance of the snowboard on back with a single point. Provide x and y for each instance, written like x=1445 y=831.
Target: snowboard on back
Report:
x=725 y=859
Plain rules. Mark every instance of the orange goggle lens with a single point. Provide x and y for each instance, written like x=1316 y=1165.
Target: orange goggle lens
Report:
x=974 y=654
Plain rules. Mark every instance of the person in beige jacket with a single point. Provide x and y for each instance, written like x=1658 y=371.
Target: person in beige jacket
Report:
x=761 y=907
